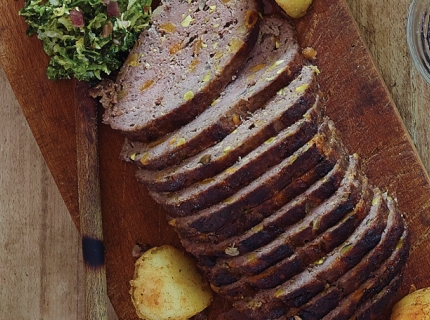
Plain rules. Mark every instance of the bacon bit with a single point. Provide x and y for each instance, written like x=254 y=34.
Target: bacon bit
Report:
x=77 y=18
x=113 y=9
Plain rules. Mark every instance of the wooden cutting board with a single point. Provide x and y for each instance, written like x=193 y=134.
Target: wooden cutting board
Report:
x=357 y=100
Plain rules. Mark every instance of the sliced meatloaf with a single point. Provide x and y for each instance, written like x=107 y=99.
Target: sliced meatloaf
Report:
x=362 y=303
x=325 y=145
x=274 y=224
x=247 y=168
x=322 y=244
x=274 y=303
x=259 y=80
x=379 y=306
x=283 y=241
x=312 y=217
x=302 y=258
x=255 y=131
x=329 y=299
x=265 y=209
x=180 y=64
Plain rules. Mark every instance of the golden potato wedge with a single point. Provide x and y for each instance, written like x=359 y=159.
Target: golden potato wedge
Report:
x=295 y=8
x=168 y=285
x=414 y=306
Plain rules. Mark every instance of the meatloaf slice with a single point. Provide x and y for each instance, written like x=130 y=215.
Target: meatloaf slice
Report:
x=266 y=72
x=250 y=134
x=325 y=145
x=180 y=64
x=329 y=299
x=263 y=232
x=275 y=302
x=302 y=258
x=271 y=152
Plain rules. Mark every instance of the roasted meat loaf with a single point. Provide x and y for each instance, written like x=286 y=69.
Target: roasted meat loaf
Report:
x=257 y=82
x=374 y=298
x=280 y=231
x=253 y=177
x=299 y=244
x=193 y=49
x=291 y=227
x=304 y=256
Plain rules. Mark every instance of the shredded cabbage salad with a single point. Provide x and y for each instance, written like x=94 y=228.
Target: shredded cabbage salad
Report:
x=86 y=39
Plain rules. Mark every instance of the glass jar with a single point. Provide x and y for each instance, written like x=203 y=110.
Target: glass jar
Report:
x=418 y=36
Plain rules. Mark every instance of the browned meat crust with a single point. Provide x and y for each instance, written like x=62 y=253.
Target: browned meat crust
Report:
x=374 y=295
x=274 y=224
x=304 y=256
x=263 y=188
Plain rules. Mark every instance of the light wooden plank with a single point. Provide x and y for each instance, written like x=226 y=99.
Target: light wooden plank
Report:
x=40 y=256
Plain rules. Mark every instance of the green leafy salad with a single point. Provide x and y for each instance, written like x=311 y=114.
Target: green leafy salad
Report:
x=86 y=39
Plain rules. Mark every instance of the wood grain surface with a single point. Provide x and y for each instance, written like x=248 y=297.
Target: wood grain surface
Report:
x=386 y=122
x=41 y=270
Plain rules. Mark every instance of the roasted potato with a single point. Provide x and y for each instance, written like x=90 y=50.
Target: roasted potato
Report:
x=295 y=8
x=414 y=306
x=168 y=285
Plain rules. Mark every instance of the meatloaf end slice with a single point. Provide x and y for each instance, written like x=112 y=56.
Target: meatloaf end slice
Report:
x=180 y=64
x=266 y=72
x=379 y=306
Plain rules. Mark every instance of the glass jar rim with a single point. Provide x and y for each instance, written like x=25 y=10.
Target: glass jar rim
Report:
x=418 y=36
